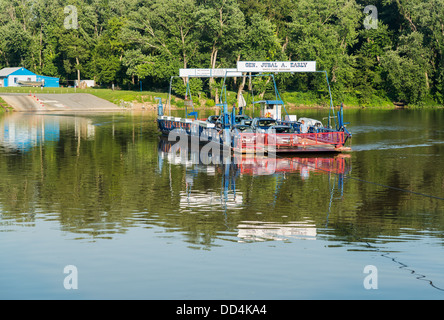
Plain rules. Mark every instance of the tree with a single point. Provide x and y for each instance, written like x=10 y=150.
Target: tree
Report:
x=131 y=60
x=14 y=44
x=368 y=79
x=108 y=53
x=261 y=44
x=75 y=52
x=47 y=25
x=325 y=31
x=222 y=26
x=427 y=18
x=166 y=33
x=77 y=43
x=406 y=69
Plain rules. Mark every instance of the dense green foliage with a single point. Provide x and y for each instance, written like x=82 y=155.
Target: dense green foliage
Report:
x=122 y=42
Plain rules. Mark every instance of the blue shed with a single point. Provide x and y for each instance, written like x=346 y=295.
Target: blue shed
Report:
x=21 y=77
x=49 y=82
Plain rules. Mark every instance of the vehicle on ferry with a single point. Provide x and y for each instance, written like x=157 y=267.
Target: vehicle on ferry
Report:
x=262 y=125
x=213 y=118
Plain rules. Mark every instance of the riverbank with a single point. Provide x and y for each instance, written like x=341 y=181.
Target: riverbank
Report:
x=146 y=100
x=47 y=102
x=4 y=106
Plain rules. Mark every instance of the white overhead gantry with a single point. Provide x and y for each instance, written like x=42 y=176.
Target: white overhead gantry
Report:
x=202 y=73
x=258 y=67
x=287 y=66
x=273 y=108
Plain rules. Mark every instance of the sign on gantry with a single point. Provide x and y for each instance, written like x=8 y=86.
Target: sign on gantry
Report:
x=276 y=66
x=250 y=66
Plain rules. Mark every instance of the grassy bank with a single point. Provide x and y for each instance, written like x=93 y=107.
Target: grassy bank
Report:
x=292 y=99
x=114 y=96
x=4 y=107
x=118 y=97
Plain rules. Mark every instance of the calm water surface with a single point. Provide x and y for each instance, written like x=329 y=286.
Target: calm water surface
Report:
x=103 y=193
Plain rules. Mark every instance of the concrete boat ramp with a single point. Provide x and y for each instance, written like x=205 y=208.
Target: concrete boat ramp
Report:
x=58 y=102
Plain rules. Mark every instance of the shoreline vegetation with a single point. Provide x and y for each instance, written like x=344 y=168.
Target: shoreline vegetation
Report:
x=373 y=53
x=4 y=107
x=145 y=100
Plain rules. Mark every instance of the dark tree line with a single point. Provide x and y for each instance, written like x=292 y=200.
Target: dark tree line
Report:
x=399 y=57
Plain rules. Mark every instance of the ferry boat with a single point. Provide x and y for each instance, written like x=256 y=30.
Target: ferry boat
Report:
x=274 y=131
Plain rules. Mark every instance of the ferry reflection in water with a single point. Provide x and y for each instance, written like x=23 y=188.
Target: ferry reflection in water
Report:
x=232 y=166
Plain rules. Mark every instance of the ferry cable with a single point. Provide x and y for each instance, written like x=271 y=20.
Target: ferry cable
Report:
x=383 y=254
x=403 y=266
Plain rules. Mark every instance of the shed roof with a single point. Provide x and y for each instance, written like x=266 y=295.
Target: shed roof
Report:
x=5 y=72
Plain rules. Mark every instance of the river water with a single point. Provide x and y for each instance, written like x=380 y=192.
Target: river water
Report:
x=96 y=206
